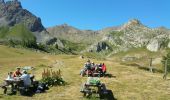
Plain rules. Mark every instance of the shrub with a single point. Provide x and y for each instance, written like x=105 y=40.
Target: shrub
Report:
x=52 y=78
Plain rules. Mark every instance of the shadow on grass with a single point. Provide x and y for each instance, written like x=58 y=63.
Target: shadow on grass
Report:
x=110 y=76
x=110 y=96
x=1 y=96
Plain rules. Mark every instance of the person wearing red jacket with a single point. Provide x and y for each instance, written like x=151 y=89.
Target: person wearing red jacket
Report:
x=17 y=73
x=103 y=69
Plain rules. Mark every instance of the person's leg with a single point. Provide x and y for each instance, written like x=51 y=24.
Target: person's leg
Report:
x=12 y=88
x=5 y=89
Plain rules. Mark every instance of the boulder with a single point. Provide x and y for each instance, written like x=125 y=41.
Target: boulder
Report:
x=153 y=45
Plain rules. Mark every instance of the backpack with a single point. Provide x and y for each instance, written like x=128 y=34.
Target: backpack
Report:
x=42 y=87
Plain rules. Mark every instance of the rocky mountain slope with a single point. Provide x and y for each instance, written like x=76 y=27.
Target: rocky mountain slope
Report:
x=12 y=13
x=132 y=34
x=73 y=34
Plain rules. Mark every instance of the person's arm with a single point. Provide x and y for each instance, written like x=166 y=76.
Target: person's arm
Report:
x=20 y=73
x=22 y=77
x=14 y=74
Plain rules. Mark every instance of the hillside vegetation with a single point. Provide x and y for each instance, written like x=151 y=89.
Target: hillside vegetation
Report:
x=17 y=35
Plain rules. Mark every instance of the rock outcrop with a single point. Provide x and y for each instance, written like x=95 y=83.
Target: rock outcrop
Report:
x=12 y=13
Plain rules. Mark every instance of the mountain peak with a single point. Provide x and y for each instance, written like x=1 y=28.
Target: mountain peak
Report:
x=133 y=22
x=64 y=25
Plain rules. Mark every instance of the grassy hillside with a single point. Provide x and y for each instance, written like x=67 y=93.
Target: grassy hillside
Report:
x=3 y=31
x=73 y=47
x=17 y=35
x=128 y=83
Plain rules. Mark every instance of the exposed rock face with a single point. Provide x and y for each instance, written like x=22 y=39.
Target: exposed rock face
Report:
x=153 y=45
x=101 y=46
x=98 y=47
x=134 y=34
x=11 y=13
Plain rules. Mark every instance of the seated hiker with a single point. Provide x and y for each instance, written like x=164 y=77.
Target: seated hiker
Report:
x=89 y=68
x=26 y=79
x=17 y=73
x=10 y=76
x=96 y=68
x=92 y=66
x=103 y=68
x=88 y=65
x=100 y=67
x=82 y=71
x=8 y=82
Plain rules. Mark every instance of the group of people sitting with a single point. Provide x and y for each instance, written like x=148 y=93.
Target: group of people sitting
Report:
x=24 y=82
x=91 y=69
x=16 y=79
x=24 y=76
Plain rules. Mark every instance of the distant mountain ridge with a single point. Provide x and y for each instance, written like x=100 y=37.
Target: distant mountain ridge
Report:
x=132 y=34
x=73 y=34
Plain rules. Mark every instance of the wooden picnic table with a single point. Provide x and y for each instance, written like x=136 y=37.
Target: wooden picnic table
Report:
x=15 y=83
x=88 y=87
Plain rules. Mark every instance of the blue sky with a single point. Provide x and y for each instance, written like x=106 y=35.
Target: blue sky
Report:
x=98 y=14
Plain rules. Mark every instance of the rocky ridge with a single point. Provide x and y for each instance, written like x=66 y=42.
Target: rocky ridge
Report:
x=132 y=34
x=12 y=13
